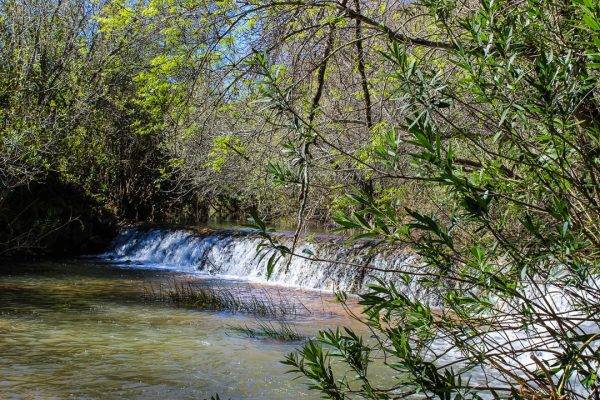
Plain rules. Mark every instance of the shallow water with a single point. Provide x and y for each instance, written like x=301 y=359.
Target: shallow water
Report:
x=84 y=330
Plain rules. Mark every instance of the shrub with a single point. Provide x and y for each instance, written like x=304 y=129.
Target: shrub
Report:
x=501 y=116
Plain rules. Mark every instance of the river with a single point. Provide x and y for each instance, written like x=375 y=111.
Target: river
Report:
x=84 y=329
x=87 y=328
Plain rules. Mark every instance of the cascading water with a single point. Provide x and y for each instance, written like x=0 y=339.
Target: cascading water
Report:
x=331 y=264
x=328 y=265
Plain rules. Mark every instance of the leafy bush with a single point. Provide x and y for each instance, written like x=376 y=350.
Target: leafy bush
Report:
x=502 y=117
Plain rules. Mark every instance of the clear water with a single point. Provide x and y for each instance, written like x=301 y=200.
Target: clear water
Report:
x=84 y=330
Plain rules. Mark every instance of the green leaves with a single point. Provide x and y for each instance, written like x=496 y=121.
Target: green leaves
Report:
x=282 y=174
x=384 y=302
x=371 y=219
x=502 y=131
x=349 y=346
x=589 y=12
x=269 y=246
x=424 y=223
x=223 y=147
x=314 y=363
x=398 y=56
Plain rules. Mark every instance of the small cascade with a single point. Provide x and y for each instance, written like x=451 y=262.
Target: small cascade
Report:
x=329 y=264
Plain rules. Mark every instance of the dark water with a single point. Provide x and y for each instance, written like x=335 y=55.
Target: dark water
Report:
x=84 y=330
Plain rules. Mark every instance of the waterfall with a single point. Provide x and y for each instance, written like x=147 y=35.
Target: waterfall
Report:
x=329 y=263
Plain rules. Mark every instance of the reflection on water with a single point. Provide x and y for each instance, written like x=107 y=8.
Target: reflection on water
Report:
x=83 y=330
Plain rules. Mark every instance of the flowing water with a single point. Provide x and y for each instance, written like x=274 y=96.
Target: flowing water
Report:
x=87 y=329
x=83 y=329
x=324 y=263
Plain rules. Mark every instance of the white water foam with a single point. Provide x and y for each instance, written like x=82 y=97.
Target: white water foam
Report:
x=234 y=254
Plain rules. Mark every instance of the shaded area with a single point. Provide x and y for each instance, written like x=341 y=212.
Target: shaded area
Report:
x=52 y=218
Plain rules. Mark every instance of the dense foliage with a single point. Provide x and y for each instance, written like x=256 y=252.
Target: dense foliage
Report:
x=92 y=99
x=467 y=129
x=501 y=120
